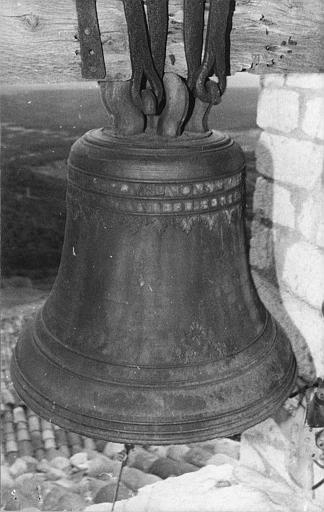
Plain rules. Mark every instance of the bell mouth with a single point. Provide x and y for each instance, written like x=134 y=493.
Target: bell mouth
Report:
x=108 y=421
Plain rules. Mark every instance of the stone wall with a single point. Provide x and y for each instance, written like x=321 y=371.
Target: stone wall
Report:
x=287 y=244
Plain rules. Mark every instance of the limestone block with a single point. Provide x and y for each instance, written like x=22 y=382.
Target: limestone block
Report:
x=113 y=450
x=303 y=272
x=305 y=81
x=289 y=160
x=309 y=322
x=278 y=109
x=134 y=479
x=310 y=221
x=18 y=468
x=158 y=450
x=60 y=462
x=165 y=467
x=52 y=473
x=313 y=123
x=273 y=201
x=63 y=501
x=106 y=493
x=273 y=80
x=79 y=459
x=197 y=456
x=100 y=465
x=31 y=462
x=177 y=451
x=140 y=458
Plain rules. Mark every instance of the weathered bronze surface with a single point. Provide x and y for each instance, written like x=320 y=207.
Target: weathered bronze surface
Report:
x=153 y=332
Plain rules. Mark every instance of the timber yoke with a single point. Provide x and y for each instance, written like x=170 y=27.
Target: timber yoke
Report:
x=40 y=39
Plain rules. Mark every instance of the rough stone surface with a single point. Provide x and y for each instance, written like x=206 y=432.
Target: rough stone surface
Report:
x=313 y=123
x=273 y=80
x=197 y=456
x=165 y=467
x=177 y=451
x=135 y=479
x=290 y=161
x=113 y=450
x=100 y=465
x=309 y=322
x=79 y=459
x=18 y=468
x=273 y=201
x=303 y=272
x=59 y=462
x=158 y=450
x=67 y=501
x=31 y=462
x=106 y=493
x=52 y=473
x=305 y=81
x=261 y=246
x=310 y=221
x=278 y=109
x=141 y=459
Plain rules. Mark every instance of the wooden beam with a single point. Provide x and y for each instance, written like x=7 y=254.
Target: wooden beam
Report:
x=39 y=39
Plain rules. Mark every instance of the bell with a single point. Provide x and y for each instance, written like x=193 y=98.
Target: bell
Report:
x=154 y=332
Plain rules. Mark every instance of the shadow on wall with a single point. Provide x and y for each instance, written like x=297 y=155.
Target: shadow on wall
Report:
x=269 y=243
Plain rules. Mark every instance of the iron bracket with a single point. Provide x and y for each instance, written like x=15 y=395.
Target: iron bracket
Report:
x=92 y=57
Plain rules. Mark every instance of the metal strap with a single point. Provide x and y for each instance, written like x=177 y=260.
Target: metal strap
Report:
x=157 y=15
x=213 y=62
x=193 y=29
x=140 y=53
x=92 y=57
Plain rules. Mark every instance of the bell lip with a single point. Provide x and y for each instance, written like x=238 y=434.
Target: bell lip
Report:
x=231 y=425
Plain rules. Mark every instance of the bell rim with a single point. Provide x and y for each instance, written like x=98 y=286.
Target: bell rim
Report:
x=260 y=411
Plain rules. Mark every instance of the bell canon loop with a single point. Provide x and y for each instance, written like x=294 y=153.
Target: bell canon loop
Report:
x=154 y=332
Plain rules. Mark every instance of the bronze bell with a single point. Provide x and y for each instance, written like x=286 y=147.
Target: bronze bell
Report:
x=153 y=332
